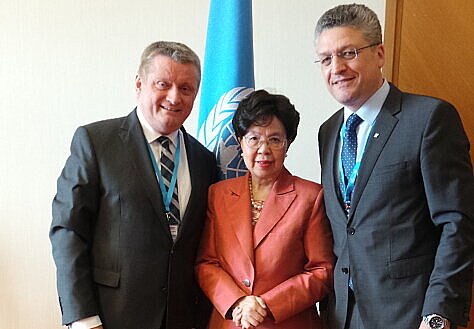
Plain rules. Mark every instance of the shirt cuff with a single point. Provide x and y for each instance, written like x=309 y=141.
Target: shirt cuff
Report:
x=87 y=323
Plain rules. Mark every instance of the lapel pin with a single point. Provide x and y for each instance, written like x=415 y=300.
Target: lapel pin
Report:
x=376 y=135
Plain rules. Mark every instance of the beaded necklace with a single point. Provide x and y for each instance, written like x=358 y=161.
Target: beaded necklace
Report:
x=257 y=205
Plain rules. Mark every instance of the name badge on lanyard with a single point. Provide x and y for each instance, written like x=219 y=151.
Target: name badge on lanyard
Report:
x=347 y=190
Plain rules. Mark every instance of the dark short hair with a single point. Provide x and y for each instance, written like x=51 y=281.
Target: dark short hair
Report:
x=259 y=107
x=357 y=16
x=178 y=52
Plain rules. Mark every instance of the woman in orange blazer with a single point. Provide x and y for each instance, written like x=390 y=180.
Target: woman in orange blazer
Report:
x=266 y=253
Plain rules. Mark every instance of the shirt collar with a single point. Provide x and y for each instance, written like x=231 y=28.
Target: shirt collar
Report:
x=371 y=108
x=150 y=134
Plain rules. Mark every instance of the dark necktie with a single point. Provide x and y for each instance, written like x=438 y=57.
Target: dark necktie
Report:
x=167 y=167
x=349 y=145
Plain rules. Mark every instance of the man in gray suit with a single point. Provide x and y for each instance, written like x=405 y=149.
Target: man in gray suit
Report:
x=398 y=187
x=125 y=231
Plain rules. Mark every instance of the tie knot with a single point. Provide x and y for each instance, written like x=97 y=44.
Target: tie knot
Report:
x=164 y=141
x=353 y=121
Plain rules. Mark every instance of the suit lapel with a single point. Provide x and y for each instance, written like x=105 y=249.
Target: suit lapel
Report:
x=238 y=210
x=278 y=201
x=134 y=143
x=384 y=125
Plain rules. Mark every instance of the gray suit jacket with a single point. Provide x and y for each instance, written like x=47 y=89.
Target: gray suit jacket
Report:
x=409 y=238
x=111 y=242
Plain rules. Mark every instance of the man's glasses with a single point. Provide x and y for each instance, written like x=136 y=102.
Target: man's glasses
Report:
x=273 y=142
x=344 y=55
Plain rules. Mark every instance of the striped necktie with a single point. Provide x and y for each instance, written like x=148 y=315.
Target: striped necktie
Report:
x=167 y=167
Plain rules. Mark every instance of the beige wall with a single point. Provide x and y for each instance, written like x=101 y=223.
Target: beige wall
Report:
x=64 y=63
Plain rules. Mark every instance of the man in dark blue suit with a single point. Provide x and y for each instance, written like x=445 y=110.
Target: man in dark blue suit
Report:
x=124 y=247
x=398 y=188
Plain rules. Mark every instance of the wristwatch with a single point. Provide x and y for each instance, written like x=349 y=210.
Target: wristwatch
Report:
x=435 y=321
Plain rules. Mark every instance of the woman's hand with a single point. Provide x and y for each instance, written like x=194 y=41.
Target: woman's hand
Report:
x=249 y=312
x=237 y=316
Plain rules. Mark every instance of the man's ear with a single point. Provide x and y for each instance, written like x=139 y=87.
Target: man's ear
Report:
x=138 y=83
x=381 y=55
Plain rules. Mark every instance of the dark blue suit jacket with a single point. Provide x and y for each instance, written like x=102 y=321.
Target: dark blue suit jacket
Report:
x=111 y=242
x=408 y=242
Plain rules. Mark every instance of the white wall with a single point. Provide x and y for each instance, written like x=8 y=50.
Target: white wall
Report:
x=64 y=63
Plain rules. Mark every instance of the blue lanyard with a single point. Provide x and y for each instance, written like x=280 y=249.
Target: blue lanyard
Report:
x=167 y=194
x=349 y=188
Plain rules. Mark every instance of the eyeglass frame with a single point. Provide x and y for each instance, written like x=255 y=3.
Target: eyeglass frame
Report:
x=263 y=139
x=340 y=55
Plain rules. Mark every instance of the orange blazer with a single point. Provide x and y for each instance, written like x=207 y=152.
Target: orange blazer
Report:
x=286 y=258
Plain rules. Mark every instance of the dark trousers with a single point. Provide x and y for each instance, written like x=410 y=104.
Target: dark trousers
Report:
x=163 y=323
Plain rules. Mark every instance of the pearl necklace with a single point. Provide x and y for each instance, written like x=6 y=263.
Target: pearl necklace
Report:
x=257 y=206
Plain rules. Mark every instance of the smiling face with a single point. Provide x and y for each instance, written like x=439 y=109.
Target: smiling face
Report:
x=166 y=93
x=263 y=162
x=350 y=82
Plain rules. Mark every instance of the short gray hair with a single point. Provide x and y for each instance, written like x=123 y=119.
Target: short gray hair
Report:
x=354 y=15
x=178 y=52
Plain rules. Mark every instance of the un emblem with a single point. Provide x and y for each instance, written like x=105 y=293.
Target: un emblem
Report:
x=218 y=136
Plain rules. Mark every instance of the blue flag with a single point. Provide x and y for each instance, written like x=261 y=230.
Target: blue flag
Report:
x=227 y=79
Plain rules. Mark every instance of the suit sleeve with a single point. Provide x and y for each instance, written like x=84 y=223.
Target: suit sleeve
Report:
x=216 y=283
x=449 y=186
x=316 y=278
x=74 y=212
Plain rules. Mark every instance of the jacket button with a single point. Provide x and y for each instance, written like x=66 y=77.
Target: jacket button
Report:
x=164 y=290
x=246 y=283
x=345 y=270
x=351 y=231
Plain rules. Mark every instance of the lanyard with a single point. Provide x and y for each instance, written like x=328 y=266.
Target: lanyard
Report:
x=347 y=189
x=167 y=194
